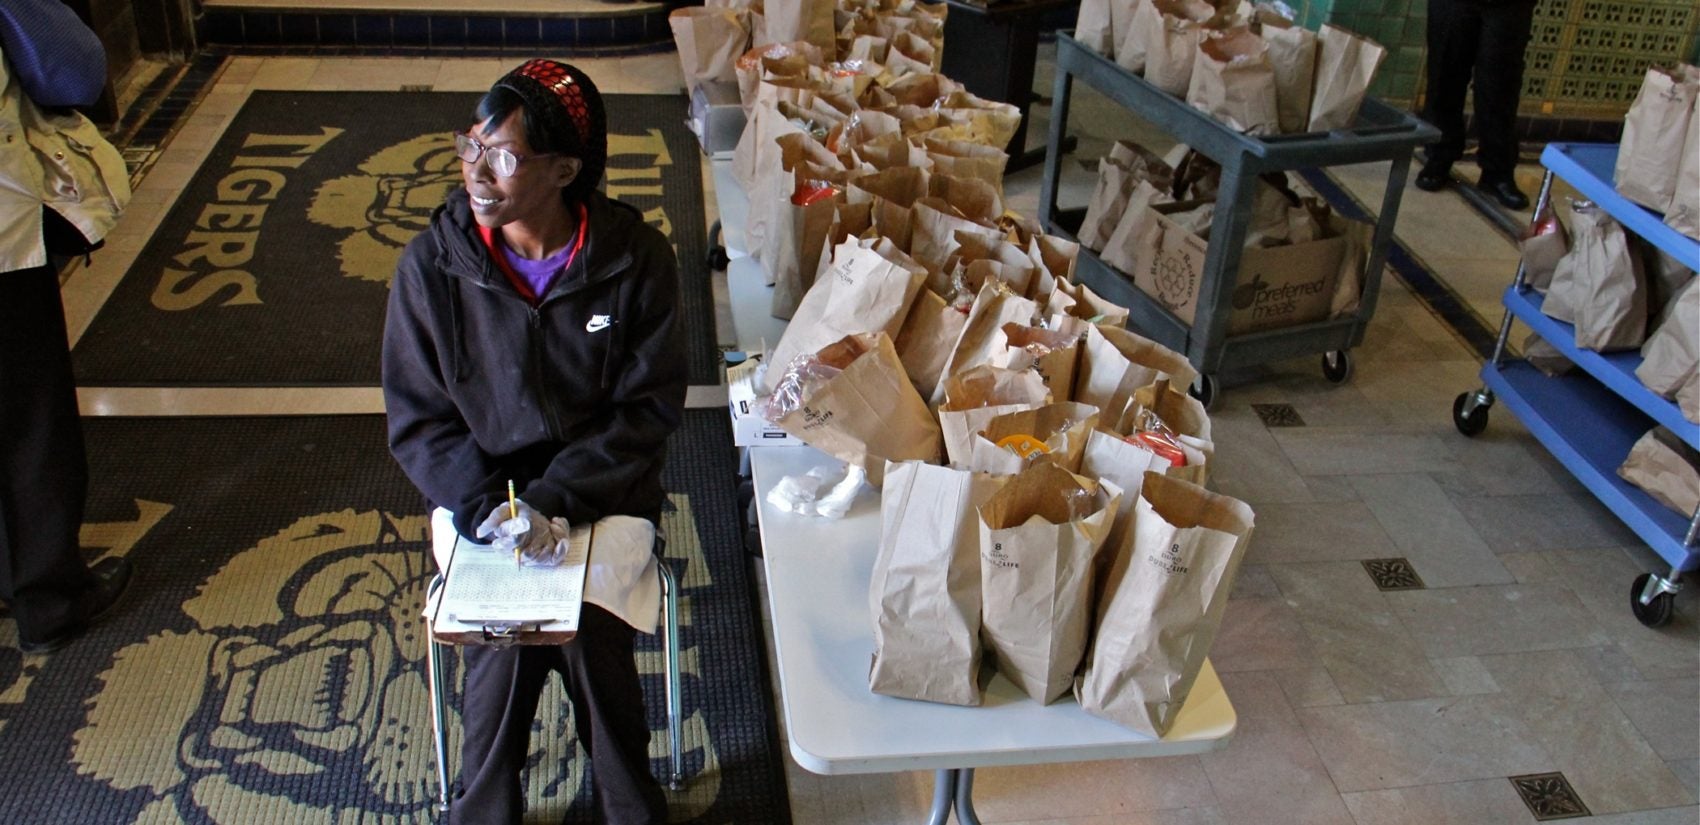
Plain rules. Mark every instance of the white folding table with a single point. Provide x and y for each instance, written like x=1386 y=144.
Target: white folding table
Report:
x=817 y=581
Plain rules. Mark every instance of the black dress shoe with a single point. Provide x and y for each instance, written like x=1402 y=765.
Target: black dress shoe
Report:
x=111 y=581
x=1434 y=176
x=1506 y=192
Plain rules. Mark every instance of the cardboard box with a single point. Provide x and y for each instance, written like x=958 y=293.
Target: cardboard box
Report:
x=1279 y=286
x=749 y=428
x=716 y=117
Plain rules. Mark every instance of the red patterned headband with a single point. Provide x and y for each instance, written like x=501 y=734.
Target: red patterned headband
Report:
x=553 y=77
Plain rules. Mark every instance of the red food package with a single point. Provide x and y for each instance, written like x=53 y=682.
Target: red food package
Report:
x=814 y=191
x=1151 y=433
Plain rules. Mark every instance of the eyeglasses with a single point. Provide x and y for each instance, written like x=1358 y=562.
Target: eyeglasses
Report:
x=502 y=161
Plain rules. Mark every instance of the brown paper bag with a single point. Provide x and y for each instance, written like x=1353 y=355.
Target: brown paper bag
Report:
x=1056 y=259
x=1038 y=536
x=1132 y=38
x=1115 y=363
x=757 y=147
x=1185 y=417
x=983 y=121
x=927 y=339
x=1666 y=468
x=1013 y=266
x=1060 y=427
x=1163 y=603
x=1683 y=215
x=1354 y=258
x=1137 y=233
x=809 y=21
x=1599 y=286
x=709 y=41
x=1110 y=457
x=1052 y=354
x=1233 y=81
x=1671 y=355
x=1543 y=245
x=1079 y=301
x=1093 y=29
x=925 y=592
x=1654 y=132
x=861 y=291
x=976 y=395
x=799 y=237
x=1345 y=65
x=935 y=221
x=1171 y=48
x=867 y=414
x=963 y=159
x=1292 y=53
x=993 y=307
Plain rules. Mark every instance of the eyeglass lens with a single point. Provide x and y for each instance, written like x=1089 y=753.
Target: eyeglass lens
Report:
x=502 y=161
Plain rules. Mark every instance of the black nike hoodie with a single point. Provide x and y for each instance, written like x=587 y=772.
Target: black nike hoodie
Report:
x=573 y=399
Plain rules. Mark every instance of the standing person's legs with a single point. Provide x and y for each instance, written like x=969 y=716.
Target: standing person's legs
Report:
x=498 y=705
x=44 y=472
x=1499 y=85
x=1454 y=28
x=602 y=681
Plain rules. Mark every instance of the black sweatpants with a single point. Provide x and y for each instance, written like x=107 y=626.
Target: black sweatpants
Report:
x=43 y=470
x=1483 y=41
x=500 y=702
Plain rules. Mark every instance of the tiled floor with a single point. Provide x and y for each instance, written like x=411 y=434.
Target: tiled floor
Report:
x=1356 y=705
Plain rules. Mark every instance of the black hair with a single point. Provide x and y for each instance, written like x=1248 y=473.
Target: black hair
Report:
x=548 y=127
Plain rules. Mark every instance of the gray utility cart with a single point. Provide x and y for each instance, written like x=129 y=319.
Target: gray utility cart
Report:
x=1381 y=133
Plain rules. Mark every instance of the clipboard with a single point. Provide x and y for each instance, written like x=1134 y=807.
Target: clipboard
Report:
x=474 y=609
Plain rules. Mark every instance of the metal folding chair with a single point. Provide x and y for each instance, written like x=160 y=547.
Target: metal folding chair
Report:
x=435 y=652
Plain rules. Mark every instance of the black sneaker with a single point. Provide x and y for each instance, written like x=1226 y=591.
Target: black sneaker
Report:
x=1434 y=176
x=111 y=582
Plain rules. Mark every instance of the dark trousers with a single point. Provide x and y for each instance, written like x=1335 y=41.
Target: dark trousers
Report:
x=601 y=680
x=43 y=470
x=1484 y=42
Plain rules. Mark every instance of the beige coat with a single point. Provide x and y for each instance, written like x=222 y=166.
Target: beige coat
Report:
x=58 y=160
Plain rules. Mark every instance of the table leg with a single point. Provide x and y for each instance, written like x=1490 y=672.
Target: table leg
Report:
x=944 y=792
x=965 y=798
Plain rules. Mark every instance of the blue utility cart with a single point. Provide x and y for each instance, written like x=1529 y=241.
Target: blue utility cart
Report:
x=1589 y=419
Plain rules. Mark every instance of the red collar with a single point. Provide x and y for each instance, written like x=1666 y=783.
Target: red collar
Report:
x=492 y=243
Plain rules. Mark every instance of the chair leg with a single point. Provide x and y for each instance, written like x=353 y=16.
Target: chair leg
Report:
x=439 y=713
x=670 y=654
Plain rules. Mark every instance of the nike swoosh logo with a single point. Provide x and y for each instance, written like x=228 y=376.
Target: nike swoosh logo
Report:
x=597 y=324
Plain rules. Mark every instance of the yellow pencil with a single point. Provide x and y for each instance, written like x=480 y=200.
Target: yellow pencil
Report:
x=513 y=513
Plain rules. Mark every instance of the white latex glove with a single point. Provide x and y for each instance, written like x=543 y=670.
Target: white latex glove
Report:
x=540 y=540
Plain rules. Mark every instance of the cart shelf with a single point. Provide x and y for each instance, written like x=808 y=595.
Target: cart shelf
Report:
x=1616 y=370
x=1590 y=420
x=1590 y=429
x=1381 y=133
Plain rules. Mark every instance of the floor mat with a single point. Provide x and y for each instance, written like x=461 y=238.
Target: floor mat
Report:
x=269 y=663
x=286 y=238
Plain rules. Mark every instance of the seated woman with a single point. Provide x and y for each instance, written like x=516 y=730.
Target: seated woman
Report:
x=531 y=336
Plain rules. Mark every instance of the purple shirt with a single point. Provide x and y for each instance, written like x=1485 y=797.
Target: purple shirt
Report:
x=538 y=274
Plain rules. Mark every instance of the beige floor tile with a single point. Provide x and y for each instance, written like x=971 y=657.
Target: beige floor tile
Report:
x=1584 y=734
x=1503 y=619
x=1261 y=634
x=1499 y=462
x=1418 y=392
x=1601 y=578
x=1458 y=803
x=1422 y=742
x=859 y=799
x=1269 y=772
x=471 y=75
x=1427 y=529
x=1665 y=711
x=284 y=73
x=1687 y=770
x=368 y=73
x=1250 y=465
x=1542 y=521
x=1359 y=450
x=1252 y=581
x=1369 y=656
x=1685 y=815
x=1530 y=567
x=1184 y=816
x=1309 y=687
x=1332 y=531
x=1464 y=675
x=1086 y=789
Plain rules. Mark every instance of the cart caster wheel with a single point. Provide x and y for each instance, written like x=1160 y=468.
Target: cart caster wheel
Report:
x=1655 y=613
x=1204 y=389
x=1337 y=366
x=718 y=260
x=1474 y=422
